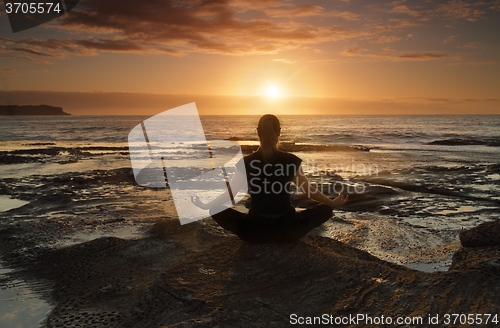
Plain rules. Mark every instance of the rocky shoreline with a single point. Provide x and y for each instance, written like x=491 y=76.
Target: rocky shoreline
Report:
x=197 y=275
x=151 y=272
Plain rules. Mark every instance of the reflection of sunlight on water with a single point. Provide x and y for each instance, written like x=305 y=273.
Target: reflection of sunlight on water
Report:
x=486 y=187
x=19 y=307
x=494 y=176
x=7 y=203
x=430 y=267
x=127 y=232
x=19 y=171
x=464 y=209
x=249 y=143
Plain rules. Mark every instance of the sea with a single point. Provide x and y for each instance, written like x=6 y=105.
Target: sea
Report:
x=414 y=182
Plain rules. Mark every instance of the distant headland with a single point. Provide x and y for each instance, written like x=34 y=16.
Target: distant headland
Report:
x=31 y=110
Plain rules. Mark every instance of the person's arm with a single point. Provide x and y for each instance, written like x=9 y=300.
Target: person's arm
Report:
x=236 y=184
x=303 y=184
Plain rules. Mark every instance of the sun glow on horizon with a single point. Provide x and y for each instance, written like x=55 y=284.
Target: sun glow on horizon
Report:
x=272 y=91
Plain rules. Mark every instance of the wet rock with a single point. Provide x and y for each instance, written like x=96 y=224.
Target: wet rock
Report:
x=480 y=251
x=59 y=197
x=485 y=234
x=385 y=210
x=461 y=142
x=152 y=282
x=197 y=275
x=172 y=226
x=493 y=168
x=477 y=258
x=6 y=158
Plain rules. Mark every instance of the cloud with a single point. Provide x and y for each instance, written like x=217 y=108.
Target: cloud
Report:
x=388 y=39
x=8 y=71
x=472 y=45
x=230 y=27
x=395 y=24
x=353 y=51
x=325 y=61
x=450 y=39
x=495 y=5
x=457 y=9
x=4 y=49
x=286 y=61
x=396 y=3
x=403 y=9
x=51 y=45
x=211 y=26
x=452 y=9
x=419 y=56
x=38 y=61
x=111 y=45
x=308 y=11
x=390 y=54
x=246 y=5
x=179 y=27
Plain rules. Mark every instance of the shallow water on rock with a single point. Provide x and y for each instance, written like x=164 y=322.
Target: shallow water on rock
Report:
x=19 y=306
x=7 y=203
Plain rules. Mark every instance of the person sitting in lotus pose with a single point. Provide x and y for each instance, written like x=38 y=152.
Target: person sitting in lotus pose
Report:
x=269 y=173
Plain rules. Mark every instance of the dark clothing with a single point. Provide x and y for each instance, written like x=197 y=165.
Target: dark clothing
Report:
x=269 y=182
x=272 y=217
x=255 y=229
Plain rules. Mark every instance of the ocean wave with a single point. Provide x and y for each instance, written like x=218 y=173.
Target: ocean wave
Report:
x=429 y=189
x=465 y=142
x=404 y=135
x=40 y=144
x=233 y=138
x=293 y=147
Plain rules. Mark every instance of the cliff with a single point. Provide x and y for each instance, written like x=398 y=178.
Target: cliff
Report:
x=31 y=110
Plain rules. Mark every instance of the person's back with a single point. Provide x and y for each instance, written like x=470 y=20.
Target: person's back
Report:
x=269 y=183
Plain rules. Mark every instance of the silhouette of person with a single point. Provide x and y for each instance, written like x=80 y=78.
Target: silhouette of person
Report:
x=269 y=174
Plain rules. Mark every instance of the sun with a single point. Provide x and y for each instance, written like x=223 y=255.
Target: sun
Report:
x=272 y=91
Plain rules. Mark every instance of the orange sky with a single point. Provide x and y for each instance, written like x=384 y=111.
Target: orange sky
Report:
x=325 y=57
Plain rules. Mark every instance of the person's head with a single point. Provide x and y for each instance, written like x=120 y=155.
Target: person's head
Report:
x=269 y=131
